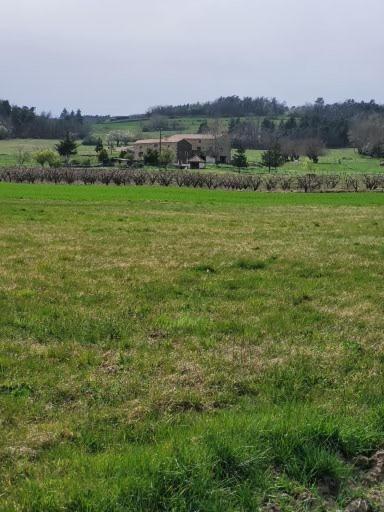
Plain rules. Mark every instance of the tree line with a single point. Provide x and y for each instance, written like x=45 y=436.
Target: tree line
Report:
x=332 y=124
x=225 y=107
x=25 y=122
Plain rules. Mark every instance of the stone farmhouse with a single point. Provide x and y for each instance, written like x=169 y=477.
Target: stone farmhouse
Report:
x=186 y=146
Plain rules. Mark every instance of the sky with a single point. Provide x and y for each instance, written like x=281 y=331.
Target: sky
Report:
x=121 y=57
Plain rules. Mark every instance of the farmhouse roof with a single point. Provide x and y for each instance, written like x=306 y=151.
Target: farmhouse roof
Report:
x=189 y=136
x=178 y=137
x=147 y=141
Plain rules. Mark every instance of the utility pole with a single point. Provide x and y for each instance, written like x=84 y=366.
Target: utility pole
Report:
x=160 y=140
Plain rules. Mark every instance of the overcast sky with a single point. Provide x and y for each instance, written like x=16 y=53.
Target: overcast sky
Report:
x=123 y=56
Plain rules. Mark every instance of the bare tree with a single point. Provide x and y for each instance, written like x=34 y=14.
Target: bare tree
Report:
x=290 y=149
x=313 y=148
x=367 y=135
x=22 y=156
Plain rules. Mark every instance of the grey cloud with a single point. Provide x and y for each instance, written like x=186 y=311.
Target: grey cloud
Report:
x=121 y=56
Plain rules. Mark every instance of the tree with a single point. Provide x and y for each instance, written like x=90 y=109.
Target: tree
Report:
x=313 y=148
x=367 y=135
x=273 y=156
x=166 y=157
x=99 y=145
x=46 y=156
x=4 y=132
x=22 y=157
x=103 y=156
x=67 y=147
x=64 y=114
x=240 y=159
x=111 y=142
x=203 y=128
x=151 y=157
x=290 y=149
x=79 y=116
x=232 y=125
x=118 y=137
x=268 y=125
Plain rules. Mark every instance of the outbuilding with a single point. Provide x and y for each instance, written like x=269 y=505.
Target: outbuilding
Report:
x=196 y=162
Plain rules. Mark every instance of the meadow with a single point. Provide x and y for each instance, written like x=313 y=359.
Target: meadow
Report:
x=10 y=148
x=135 y=127
x=189 y=350
x=336 y=161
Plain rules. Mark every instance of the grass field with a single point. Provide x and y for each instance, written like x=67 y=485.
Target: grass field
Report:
x=338 y=161
x=10 y=148
x=187 y=125
x=189 y=350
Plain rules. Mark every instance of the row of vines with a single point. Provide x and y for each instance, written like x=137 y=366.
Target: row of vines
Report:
x=119 y=177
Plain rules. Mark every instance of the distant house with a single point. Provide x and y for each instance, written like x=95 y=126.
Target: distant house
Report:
x=186 y=146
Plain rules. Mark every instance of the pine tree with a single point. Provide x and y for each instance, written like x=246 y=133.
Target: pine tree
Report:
x=64 y=114
x=67 y=147
x=240 y=159
x=79 y=116
x=273 y=157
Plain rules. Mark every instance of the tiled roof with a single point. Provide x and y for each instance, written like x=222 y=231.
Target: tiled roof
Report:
x=190 y=136
x=177 y=138
x=148 y=141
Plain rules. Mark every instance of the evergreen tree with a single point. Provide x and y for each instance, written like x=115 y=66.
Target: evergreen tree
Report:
x=203 y=128
x=103 y=156
x=273 y=157
x=240 y=159
x=99 y=145
x=64 y=114
x=67 y=147
x=151 y=157
x=79 y=116
x=268 y=125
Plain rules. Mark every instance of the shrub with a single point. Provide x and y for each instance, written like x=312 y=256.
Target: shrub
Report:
x=89 y=177
x=4 y=132
x=103 y=156
x=90 y=140
x=372 y=182
x=270 y=183
x=286 y=183
x=166 y=157
x=352 y=183
x=151 y=157
x=332 y=180
x=309 y=182
x=47 y=156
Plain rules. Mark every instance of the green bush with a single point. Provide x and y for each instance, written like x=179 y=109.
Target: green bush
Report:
x=47 y=156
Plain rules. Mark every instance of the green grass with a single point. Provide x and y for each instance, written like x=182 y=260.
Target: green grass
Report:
x=335 y=161
x=187 y=125
x=176 y=349
x=10 y=148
